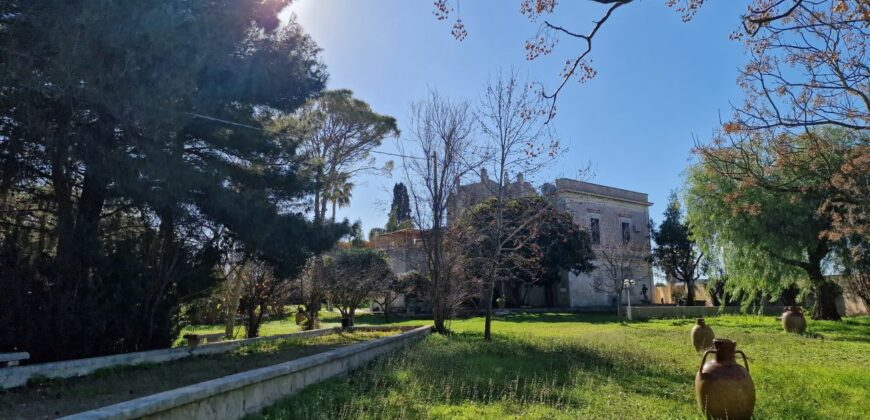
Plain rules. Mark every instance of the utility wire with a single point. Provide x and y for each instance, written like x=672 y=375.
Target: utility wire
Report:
x=206 y=117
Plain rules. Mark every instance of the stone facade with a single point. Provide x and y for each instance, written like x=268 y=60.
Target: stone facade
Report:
x=403 y=248
x=617 y=221
x=404 y=253
x=622 y=219
x=469 y=195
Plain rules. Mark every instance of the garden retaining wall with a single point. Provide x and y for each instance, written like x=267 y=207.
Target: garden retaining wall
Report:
x=237 y=395
x=647 y=312
x=19 y=375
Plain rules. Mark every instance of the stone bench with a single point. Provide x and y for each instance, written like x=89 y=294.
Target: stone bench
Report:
x=12 y=359
x=194 y=340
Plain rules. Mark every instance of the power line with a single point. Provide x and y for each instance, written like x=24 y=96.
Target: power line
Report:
x=397 y=155
x=206 y=117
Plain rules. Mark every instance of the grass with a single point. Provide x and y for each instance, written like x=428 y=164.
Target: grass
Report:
x=587 y=366
x=50 y=398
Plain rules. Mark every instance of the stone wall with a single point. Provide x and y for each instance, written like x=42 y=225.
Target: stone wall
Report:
x=17 y=376
x=648 y=312
x=235 y=396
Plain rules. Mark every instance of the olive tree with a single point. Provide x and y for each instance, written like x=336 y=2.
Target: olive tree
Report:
x=352 y=275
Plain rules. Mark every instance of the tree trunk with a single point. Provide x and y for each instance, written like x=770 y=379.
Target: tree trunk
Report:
x=311 y=313
x=439 y=304
x=487 y=327
x=253 y=321
x=439 y=295
x=232 y=305
x=825 y=290
x=619 y=306
x=386 y=308
x=826 y=301
x=690 y=292
x=165 y=265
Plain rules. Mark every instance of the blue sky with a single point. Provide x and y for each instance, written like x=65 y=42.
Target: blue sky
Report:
x=660 y=81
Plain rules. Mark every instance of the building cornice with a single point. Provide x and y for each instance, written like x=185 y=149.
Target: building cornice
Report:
x=610 y=197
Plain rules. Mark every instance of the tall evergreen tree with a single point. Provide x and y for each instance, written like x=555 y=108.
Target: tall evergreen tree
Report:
x=133 y=146
x=676 y=253
x=400 y=210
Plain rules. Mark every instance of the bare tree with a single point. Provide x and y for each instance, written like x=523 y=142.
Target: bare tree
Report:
x=808 y=66
x=308 y=289
x=517 y=140
x=434 y=162
x=620 y=260
x=261 y=288
x=822 y=42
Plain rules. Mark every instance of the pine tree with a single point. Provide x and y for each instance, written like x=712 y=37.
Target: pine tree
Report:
x=135 y=146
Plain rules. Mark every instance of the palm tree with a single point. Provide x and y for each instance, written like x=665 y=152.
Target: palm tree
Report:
x=339 y=192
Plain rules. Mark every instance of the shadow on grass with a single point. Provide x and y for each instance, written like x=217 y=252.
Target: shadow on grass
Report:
x=551 y=317
x=849 y=329
x=376 y=318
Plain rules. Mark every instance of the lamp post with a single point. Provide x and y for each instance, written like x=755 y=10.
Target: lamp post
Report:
x=627 y=284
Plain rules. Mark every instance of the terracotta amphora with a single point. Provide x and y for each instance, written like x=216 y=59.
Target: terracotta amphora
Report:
x=723 y=388
x=793 y=320
x=702 y=335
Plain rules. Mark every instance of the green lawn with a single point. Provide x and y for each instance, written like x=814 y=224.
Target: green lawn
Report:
x=587 y=366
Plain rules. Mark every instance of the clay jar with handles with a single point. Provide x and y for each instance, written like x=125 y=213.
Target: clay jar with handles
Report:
x=723 y=388
x=793 y=320
x=702 y=335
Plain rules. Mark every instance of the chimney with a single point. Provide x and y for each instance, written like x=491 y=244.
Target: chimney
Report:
x=520 y=178
x=483 y=177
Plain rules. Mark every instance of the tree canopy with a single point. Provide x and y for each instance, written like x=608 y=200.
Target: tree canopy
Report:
x=676 y=253
x=400 y=210
x=338 y=133
x=758 y=206
x=135 y=144
x=353 y=275
x=542 y=242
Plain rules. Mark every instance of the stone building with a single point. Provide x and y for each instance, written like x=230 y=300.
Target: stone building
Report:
x=404 y=253
x=469 y=195
x=617 y=221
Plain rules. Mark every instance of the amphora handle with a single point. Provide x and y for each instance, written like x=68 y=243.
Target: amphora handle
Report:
x=704 y=358
x=745 y=360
